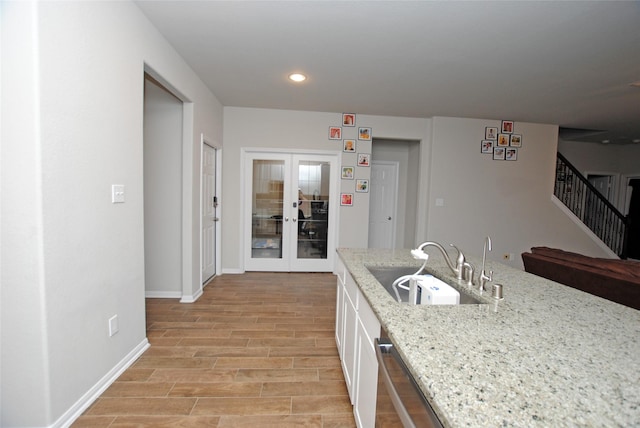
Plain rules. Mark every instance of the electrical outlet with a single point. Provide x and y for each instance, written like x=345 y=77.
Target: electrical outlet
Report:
x=113 y=325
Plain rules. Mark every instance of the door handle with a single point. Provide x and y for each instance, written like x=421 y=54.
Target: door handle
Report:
x=389 y=218
x=286 y=219
x=294 y=219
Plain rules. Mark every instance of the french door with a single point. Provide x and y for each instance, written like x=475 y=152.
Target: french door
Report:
x=289 y=211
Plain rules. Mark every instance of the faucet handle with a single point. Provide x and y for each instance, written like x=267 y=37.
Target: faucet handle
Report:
x=459 y=262
x=460 y=257
x=467 y=273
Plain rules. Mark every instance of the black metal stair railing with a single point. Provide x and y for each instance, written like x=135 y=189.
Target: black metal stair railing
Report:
x=591 y=207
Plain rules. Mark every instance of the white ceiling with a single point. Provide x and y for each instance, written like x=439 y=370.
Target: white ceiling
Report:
x=565 y=63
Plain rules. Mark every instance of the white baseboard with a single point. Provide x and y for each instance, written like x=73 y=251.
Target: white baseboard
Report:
x=162 y=294
x=233 y=271
x=192 y=298
x=92 y=395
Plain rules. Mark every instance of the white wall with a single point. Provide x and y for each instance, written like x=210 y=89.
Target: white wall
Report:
x=510 y=201
x=25 y=390
x=162 y=192
x=507 y=200
x=72 y=109
x=267 y=128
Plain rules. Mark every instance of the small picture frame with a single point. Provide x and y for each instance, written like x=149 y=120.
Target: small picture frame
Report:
x=348 y=119
x=363 y=159
x=335 y=133
x=498 y=153
x=487 y=146
x=507 y=127
x=516 y=140
x=364 y=134
x=362 y=186
x=349 y=146
x=503 y=140
x=346 y=199
x=348 y=172
x=511 y=154
x=490 y=133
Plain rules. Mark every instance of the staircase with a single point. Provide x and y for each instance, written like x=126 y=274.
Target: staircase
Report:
x=584 y=200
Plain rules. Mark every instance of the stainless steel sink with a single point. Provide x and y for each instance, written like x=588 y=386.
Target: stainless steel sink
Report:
x=386 y=276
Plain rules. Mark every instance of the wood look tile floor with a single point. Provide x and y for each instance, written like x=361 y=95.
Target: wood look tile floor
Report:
x=256 y=350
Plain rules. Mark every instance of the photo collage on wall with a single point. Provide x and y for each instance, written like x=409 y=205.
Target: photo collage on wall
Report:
x=350 y=145
x=502 y=143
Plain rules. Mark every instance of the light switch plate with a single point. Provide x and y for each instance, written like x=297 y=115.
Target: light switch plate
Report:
x=113 y=325
x=117 y=193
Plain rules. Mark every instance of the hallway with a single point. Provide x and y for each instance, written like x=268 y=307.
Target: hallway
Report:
x=256 y=350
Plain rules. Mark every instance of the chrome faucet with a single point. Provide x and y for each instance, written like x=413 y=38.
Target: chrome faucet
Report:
x=484 y=278
x=457 y=268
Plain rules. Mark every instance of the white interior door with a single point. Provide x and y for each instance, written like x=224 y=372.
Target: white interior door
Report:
x=603 y=184
x=209 y=208
x=289 y=217
x=383 y=204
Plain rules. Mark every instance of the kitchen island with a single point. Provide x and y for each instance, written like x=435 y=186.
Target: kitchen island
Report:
x=546 y=355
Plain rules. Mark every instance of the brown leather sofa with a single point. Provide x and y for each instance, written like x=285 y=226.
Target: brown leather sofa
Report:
x=612 y=279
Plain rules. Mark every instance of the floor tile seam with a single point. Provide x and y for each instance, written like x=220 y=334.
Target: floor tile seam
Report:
x=113 y=421
x=171 y=389
x=147 y=382
x=265 y=358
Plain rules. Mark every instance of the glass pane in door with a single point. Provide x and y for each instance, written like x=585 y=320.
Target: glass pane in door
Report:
x=267 y=205
x=313 y=209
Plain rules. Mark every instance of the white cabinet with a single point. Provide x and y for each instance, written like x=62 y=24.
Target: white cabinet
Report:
x=340 y=270
x=366 y=377
x=349 y=347
x=356 y=328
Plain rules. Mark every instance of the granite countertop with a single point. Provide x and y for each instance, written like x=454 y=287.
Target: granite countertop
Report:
x=546 y=355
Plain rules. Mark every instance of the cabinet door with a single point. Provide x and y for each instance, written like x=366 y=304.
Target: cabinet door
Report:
x=340 y=318
x=366 y=379
x=366 y=388
x=349 y=344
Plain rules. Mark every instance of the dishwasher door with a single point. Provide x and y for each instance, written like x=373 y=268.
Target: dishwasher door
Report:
x=399 y=403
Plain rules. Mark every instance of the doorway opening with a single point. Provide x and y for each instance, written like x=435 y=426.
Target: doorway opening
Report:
x=631 y=205
x=396 y=228
x=162 y=174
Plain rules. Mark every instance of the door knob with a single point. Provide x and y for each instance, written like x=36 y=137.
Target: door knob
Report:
x=286 y=219
x=389 y=218
x=294 y=219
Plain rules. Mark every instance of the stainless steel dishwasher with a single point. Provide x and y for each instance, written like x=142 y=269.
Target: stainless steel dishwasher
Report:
x=399 y=403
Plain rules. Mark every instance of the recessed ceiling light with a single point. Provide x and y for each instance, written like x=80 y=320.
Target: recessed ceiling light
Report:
x=635 y=84
x=297 y=77
x=605 y=141
x=637 y=140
